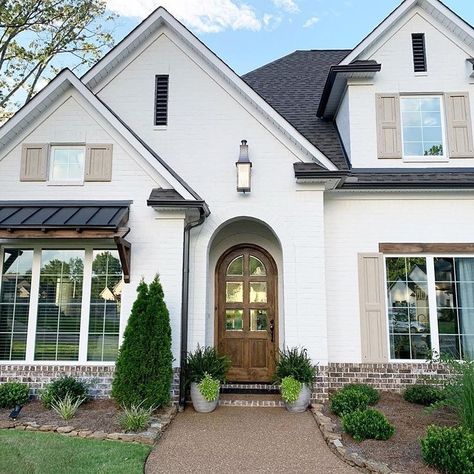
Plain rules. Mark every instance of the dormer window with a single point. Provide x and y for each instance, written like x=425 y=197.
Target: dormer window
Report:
x=67 y=164
x=422 y=127
x=419 y=52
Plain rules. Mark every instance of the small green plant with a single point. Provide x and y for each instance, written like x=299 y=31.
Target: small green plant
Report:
x=295 y=363
x=372 y=394
x=367 y=424
x=13 y=393
x=423 y=394
x=348 y=400
x=209 y=388
x=60 y=388
x=206 y=360
x=450 y=450
x=290 y=389
x=67 y=407
x=135 y=417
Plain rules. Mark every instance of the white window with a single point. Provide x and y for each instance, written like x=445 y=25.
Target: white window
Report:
x=67 y=164
x=59 y=304
x=430 y=305
x=423 y=134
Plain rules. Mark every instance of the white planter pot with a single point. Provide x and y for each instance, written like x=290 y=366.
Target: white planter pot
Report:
x=302 y=402
x=200 y=404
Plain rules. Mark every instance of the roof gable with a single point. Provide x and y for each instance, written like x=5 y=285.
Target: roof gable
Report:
x=438 y=10
x=132 y=43
x=33 y=109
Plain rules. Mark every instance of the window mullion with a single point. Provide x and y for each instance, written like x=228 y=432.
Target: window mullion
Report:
x=432 y=304
x=33 y=311
x=85 y=307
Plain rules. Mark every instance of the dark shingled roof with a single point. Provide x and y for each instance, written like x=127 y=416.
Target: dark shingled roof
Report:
x=108 y=215
x=293 y=85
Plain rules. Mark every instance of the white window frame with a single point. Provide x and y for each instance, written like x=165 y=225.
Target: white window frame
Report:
x=54 y=182
x=85 y=307
x=430 y=273
x=426 y=159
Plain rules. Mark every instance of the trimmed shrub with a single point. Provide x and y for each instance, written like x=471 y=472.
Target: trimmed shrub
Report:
x=450 y=450
x=61 y=388
x=295 y=363
x=423 y=394
x=372 y=394
x=290 y=389
x=348 y=400
x=144 y=368
x=206 y=361
x=367 y=424
x=13 y=393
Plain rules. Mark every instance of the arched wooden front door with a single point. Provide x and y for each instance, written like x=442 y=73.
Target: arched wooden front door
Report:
x=246 y=312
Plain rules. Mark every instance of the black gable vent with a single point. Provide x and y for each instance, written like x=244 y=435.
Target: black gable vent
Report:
x=161 y=100
x=419 y=51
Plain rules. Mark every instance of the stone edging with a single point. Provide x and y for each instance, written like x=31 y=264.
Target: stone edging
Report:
x=334 y=441
x=158 y=425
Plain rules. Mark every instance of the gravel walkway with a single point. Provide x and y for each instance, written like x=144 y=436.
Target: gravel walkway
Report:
x=234 y=439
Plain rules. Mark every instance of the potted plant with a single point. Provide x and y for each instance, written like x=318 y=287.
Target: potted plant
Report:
x=295 y=373
x=205 y=371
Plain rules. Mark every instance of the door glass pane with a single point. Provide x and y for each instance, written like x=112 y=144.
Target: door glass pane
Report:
x=236 y=267
x=234 y=320
x=258 y=292
x=234 y=292
x=258 y=320
x=257 y=268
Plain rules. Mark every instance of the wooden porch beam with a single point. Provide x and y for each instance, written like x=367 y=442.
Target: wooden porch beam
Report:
x=414 y=248
x=10 y=234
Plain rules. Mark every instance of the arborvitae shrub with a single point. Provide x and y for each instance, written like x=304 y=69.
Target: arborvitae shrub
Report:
x=144 y=368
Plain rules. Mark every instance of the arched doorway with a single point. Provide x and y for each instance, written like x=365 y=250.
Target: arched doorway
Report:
x=246 y=312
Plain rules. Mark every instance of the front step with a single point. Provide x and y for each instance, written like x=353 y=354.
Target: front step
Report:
x=256 y=388
x=267 y=400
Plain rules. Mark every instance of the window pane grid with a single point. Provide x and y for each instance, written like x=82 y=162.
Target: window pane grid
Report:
x=67 y=164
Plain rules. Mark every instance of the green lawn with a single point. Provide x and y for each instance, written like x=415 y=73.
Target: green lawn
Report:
x=46 y=453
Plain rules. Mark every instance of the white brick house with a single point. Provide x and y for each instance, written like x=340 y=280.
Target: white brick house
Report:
x=353 y=240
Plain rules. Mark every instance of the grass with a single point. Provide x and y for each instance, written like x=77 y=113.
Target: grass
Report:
x=44 y=453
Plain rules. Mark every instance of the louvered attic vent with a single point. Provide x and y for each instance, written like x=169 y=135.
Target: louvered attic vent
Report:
x=161 y=99
x=419 y=52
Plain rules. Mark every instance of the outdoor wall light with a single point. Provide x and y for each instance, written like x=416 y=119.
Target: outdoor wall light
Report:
x=244 y=169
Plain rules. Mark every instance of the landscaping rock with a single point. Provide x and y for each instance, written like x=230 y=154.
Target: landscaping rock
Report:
x=98 y=435
x=6 y=424
x=65 y=429
x=115 y=436
x=47 y=428
x=84 y=433
x=20 y=427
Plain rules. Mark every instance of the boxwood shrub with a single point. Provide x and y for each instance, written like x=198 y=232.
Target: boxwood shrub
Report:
x=367 y=424
x=348 y=400
x=450 y=450
x=13 y=393
x=423 y=394
x=61 y=387
x=371 y=393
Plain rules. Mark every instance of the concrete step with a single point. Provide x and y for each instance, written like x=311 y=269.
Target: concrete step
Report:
x=251 y=400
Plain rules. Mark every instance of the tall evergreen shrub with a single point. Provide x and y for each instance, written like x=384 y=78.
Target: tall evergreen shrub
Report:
x=144 y=368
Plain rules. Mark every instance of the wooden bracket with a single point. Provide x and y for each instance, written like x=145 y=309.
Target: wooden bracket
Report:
x=124 y=248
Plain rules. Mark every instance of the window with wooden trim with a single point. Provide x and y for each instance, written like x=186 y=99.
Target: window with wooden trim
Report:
x=419 y=52
x=59 y=305
x=161 y=99
x=430 y=306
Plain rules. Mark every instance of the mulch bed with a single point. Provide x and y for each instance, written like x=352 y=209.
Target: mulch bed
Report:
x=402 y=453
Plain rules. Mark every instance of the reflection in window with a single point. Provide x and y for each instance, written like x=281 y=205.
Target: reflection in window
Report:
x=59 y=305
x=258 y=320
x=234 y=292
x=236 y=267
x=454 y=282
x=234 y=320
x=258 y=292
x=15 y=303
x=104 y=317
x=67 y=163
x=257 y=268
x=408 y=312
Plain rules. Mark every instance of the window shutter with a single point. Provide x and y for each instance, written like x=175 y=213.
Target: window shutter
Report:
x=34 y=162
x=373 y=318
x=389 y=136
x=98 y=163
x=458 y=115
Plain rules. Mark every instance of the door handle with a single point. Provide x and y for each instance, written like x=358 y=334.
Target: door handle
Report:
x=272 y=329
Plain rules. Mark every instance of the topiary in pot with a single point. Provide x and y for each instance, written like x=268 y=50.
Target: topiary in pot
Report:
x=294 y=365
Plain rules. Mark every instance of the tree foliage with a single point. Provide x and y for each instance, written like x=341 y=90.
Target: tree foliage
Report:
x=144 y=368
x=39 y=37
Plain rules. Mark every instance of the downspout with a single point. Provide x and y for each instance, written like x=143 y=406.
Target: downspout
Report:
x=185 y=305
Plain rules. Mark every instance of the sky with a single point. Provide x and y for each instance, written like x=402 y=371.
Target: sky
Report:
x=247 y=34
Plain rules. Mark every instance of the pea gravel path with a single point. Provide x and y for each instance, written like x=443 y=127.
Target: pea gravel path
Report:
x=234 y=439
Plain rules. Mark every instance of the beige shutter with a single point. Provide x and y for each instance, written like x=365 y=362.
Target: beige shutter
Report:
x=34 y=162
x=458 y=117
x=389 y=135
x=98 y=163
x=373 y=318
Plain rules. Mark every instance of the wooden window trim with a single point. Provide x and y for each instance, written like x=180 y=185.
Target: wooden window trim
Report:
x=420 y=248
